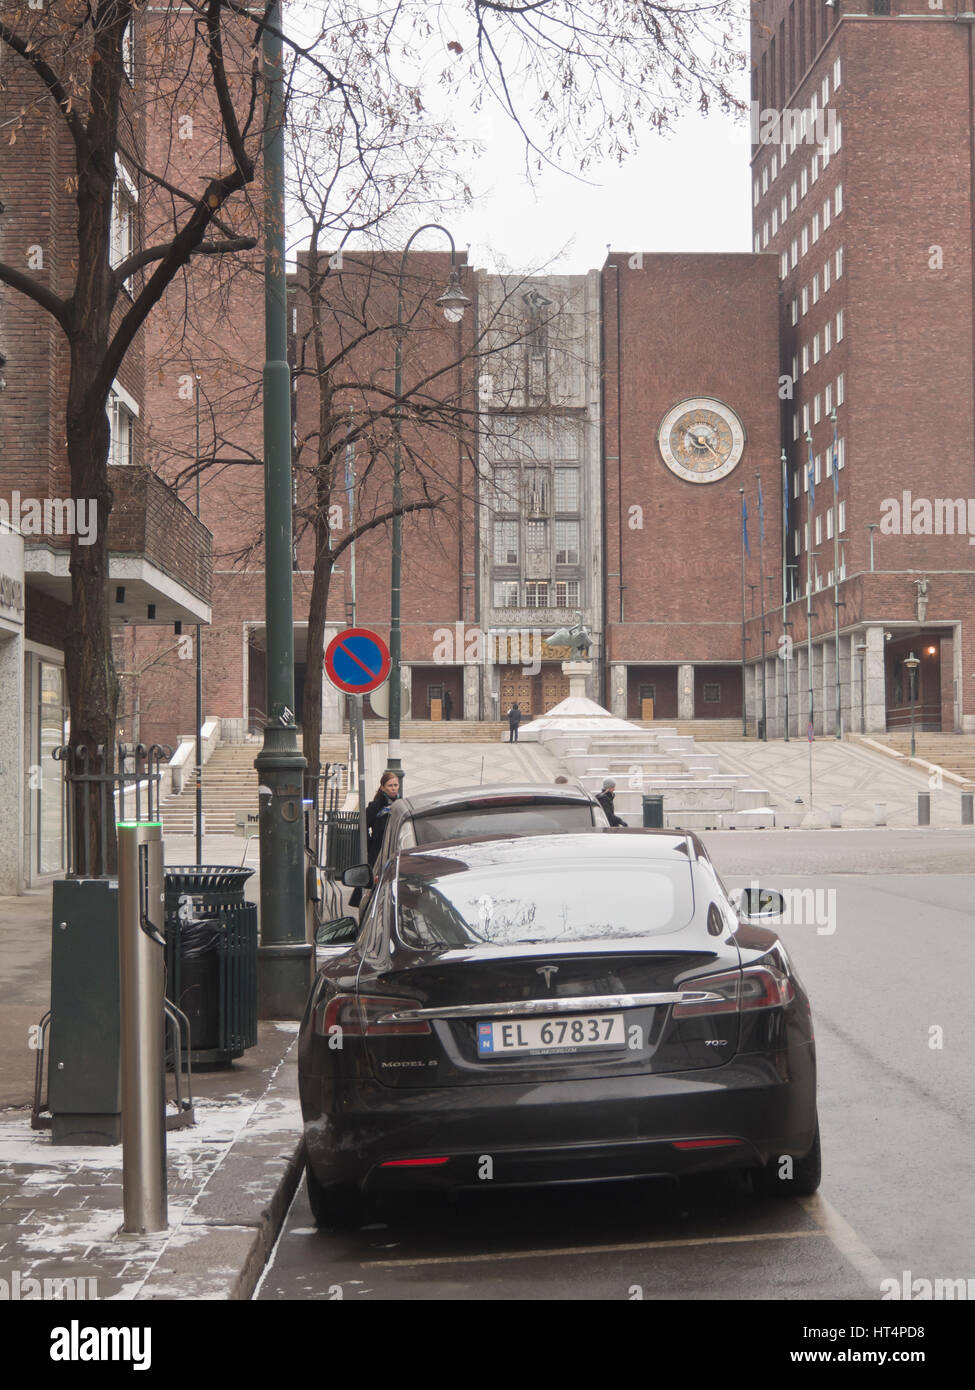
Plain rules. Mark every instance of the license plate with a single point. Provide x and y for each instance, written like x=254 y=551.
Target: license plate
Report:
x=564 y=1033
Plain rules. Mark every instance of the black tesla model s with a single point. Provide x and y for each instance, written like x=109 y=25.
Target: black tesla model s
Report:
x=548 y=1009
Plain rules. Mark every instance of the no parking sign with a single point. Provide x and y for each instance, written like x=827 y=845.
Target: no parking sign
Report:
x=357 y=660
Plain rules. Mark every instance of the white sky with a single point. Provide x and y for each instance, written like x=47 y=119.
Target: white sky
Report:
x=689 y=190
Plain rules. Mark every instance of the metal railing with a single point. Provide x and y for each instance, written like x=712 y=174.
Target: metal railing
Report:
x=94 y=794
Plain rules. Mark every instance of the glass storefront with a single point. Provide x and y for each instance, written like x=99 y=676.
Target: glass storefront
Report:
x=50 y=799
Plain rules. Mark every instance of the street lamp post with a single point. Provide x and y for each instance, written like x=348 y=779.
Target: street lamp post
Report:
x=285 y=957
x=862 y=654
x=912 y=663
x=453 y=302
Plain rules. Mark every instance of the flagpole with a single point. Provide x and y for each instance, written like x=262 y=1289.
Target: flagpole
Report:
x=836 y=580
x=744 y=709
x=761 y=590
x=787 y=646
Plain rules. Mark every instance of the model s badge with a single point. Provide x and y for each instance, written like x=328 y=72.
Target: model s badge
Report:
x=548 y=971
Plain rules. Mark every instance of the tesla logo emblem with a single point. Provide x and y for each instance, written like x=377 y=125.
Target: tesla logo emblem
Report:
x=548 y=971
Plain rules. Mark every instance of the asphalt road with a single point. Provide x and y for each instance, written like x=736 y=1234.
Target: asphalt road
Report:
x=885 y=945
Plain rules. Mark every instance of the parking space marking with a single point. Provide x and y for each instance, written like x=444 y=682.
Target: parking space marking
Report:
x=850 y=1245
x=592 y=1249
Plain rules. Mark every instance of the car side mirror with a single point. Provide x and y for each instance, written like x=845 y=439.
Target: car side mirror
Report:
x=341 y=931
x=359 y=876
x=759 y=902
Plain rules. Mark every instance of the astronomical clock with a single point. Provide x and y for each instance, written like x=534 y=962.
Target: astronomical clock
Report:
x=701 y=440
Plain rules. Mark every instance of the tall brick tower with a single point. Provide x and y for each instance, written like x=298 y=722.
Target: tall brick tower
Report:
x=864 y=188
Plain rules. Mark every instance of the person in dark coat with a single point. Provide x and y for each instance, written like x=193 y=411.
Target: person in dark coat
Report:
x=377 y=814
x=448 y=704
x=514 y=719
x=607 y=800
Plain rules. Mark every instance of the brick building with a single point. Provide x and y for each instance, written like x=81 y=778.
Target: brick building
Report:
x=863 y=190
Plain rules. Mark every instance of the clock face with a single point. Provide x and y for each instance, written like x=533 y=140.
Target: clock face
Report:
x=701 y=440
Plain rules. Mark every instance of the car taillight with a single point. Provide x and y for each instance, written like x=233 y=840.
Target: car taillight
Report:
x=366 y=1016
x=756 y=987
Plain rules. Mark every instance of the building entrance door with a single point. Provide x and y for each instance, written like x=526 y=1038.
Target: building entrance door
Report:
x=515 y=686
x=555 y=687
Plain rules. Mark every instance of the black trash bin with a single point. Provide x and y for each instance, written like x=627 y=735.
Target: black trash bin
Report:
x=653 y=812
x=211 y=959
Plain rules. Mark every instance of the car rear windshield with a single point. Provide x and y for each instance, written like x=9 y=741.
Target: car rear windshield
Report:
x=539 y=819
x=583 y=902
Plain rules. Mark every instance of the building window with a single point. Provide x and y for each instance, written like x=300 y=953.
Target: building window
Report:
x=775 y=167
x=826 y=277
x=775 y=221
x=819 y=530
x=837 y=134
x=829 y=525
x=506 y=593
x=506 y=542
x=712 y=693
x=536 y=536
x=804 y=181
x=829 y=397
x=815 y=226
x=757 y=243
x=536 y=593
x=881 y=6
x=764 y=235
x=815 y=289
x=122 y=432
x=816 y=472
x=842 y=517
x=825 y=89
x=795 y=316
x=566 y=489
x=816 y=351
x=805 y=239
x=506 y=489
x=805 y=418
x=123 y=224
x=827 y=215
x=128 y=54
x=795 y=367
x=795 y=425
x=795 y=484
x=839 y=326
x=814 y=168
x=838 y=199
x=827 y=343
x=783 y=265
x=794 y=195
x=839 y=262
x=784 y=207
x=805 y=360
x=567 y=542
x=567 y=593
x=797 y=541
x=648 y=692
x=824 y=153
x=536 y=491
x=794 y=253
x=837 y=74
x=840 y=393
x=765 y=179
x=755 y=194
x=805 y=299
x=816 y=412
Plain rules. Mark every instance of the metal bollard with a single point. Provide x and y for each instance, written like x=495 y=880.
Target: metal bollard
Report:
x=880 y=813
x=968 y=808
x=924 y=808
x=141 y=979
x=836 y=817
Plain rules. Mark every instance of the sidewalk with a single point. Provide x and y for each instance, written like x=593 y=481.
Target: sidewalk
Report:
x=231 y=1177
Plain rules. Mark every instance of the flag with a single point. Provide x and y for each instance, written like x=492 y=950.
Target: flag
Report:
x=744 y=525
x=811 y=474
x=761 y=511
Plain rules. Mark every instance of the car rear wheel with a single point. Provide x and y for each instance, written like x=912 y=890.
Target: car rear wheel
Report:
x=338 y=1206
x=799 y=1179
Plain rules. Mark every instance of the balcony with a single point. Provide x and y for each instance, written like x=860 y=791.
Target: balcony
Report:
x=160 y=555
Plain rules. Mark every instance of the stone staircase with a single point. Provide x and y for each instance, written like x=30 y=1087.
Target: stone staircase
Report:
x=230 y=789
x=953 y=752
x=438 y=730
x=697 y=794
x=702 y=730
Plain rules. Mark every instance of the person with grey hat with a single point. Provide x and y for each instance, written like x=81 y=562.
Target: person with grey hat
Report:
x=606 y=799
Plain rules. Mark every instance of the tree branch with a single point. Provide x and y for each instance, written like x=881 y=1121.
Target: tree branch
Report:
x=156 y=253
x=51 y=81
x=39 y=293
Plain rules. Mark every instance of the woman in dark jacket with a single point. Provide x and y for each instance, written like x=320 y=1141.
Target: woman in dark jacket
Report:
x=377 y=813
